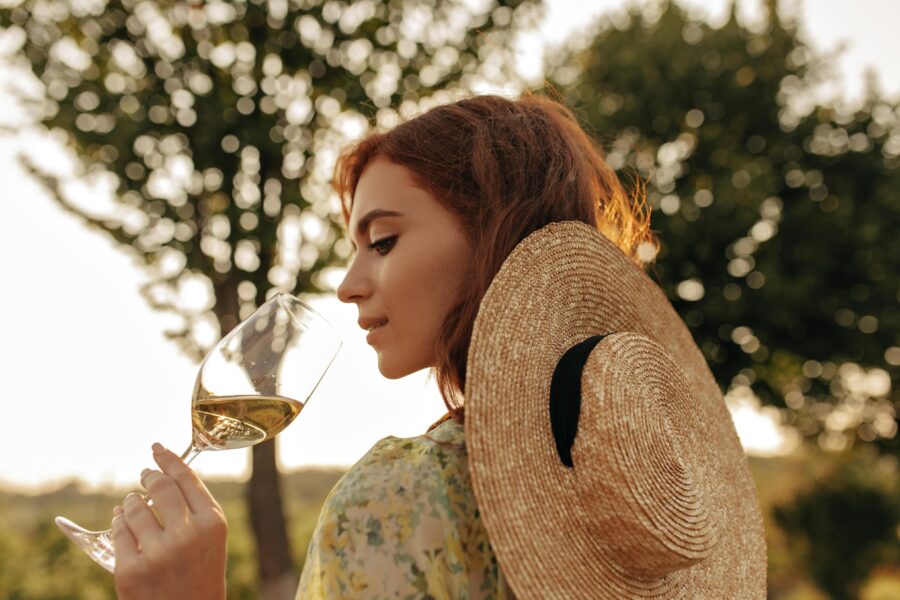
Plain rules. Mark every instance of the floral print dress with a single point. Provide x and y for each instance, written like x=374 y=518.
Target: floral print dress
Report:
x=402 y=523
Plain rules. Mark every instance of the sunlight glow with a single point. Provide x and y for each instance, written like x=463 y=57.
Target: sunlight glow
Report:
x=759 y=428
x=101 y=358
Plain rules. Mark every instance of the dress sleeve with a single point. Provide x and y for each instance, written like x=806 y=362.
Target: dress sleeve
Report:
x=401 y=523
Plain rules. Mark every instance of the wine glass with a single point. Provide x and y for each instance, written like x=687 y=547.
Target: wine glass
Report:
x=250 y=386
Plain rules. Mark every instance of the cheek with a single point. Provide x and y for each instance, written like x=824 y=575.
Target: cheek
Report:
x=423 y=295
x=440 y=291
x=423 y=288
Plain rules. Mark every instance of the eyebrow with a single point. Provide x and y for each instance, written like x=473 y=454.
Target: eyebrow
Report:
x=363 y=226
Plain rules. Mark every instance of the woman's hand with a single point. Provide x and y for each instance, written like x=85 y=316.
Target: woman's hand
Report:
x=178 y=552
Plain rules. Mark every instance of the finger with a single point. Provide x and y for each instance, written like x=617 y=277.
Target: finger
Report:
x=143 y=524
x=195 y=493
x=168 y=500
x=124 y=543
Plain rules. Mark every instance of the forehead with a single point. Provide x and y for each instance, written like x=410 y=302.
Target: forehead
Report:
x=385 y=185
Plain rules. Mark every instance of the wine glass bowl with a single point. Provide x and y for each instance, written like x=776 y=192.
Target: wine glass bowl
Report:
x=255 y=381
x=250 y=386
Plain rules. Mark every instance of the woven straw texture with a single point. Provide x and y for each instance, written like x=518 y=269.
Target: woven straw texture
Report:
x=660 y=503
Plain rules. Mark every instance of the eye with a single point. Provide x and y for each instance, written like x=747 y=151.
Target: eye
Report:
x=382 y=246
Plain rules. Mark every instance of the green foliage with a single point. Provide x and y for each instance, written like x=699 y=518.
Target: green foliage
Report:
x=219 y=123
x=38 y=563
x=36 y=560
x=845 y=522
x=777 y=217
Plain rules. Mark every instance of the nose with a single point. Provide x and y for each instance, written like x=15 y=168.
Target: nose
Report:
x=355 y=287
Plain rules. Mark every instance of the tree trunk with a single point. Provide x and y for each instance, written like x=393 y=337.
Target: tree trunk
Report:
x=277 y=577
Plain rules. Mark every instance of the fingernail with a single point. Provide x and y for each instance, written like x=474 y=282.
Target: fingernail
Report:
x=158 y=448
x=131 y=496
x=117 y=510
x=144 y=473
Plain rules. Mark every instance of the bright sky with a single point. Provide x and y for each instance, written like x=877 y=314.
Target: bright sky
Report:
x=89 y=381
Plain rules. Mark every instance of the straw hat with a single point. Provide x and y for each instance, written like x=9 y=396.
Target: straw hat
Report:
x=654 y=498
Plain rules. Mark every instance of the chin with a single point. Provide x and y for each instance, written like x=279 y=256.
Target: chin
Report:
x=394 y=370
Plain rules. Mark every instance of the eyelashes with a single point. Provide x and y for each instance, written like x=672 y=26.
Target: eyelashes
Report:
x=382 y=246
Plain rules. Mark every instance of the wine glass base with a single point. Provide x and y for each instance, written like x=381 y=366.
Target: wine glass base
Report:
x=96 y=544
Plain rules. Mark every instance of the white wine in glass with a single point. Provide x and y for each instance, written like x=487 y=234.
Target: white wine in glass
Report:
x=252 y=384
x=237 y=421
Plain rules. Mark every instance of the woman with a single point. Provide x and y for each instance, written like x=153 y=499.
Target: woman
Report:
x=434 y=207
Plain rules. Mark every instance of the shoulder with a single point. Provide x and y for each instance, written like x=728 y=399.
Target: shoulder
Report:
x=403 y=518
x=397 y=471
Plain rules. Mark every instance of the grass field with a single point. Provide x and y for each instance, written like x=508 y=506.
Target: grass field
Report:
x=38 y=563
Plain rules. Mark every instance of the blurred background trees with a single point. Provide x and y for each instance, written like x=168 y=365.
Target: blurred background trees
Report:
x=778 y=218
x=845 y=522
x=217 y=124
x=778 y=223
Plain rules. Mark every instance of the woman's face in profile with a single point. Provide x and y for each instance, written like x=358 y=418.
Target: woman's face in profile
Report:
x=412 y=259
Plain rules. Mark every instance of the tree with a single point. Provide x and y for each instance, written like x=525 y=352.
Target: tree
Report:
x=861 y=488
x=217 y=125
x=777 y=215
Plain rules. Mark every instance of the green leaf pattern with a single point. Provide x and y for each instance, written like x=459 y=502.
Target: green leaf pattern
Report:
x=402 y=524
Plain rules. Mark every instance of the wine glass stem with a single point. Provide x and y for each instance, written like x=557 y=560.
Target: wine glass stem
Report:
x=190 y=454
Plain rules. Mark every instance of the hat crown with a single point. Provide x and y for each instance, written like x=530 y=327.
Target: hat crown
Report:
x=641 y=488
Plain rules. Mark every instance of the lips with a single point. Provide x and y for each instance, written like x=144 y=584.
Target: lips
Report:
x=375 y=331
x=372 y=324
x=378 y=325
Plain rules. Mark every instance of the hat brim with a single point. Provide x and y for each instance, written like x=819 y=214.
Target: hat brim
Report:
x=560 y=285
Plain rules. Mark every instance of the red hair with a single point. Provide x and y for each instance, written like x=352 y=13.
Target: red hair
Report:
x=506 y=168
